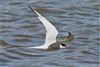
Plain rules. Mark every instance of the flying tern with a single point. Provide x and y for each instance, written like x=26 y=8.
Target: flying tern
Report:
x=51 y=42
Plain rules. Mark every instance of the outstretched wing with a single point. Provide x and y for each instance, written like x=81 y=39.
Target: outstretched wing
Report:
x=51 y=31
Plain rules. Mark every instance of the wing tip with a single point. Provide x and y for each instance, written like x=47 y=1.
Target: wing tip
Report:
x=70 y=36
x=30 y=8
x=34 y=10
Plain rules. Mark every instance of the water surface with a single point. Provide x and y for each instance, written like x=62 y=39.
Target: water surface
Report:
x=19 y=26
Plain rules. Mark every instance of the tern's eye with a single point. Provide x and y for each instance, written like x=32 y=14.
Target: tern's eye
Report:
x=63 y=44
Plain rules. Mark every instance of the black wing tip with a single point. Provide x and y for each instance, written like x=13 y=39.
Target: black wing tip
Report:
x=70 y=36
x=30 y=8
x=33 y=10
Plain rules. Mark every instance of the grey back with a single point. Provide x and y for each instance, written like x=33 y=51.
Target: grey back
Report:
x=54 y=46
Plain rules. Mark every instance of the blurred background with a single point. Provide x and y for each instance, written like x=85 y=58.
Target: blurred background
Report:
x=19 y=26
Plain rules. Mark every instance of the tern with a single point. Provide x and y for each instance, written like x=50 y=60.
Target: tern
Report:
x=51 y=42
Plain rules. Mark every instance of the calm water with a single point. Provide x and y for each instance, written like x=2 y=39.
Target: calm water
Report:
x=19 y=26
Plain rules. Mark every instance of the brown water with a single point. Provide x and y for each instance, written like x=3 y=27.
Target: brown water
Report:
x=19 y=26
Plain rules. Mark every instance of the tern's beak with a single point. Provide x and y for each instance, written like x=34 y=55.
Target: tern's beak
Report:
x=69 y=38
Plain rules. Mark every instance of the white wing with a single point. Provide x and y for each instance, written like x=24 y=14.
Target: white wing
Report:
x=51 y=31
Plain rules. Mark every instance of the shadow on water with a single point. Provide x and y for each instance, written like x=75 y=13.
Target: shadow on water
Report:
x=19 y=26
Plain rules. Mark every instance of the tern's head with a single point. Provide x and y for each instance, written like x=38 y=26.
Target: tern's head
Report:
x=65 y=42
